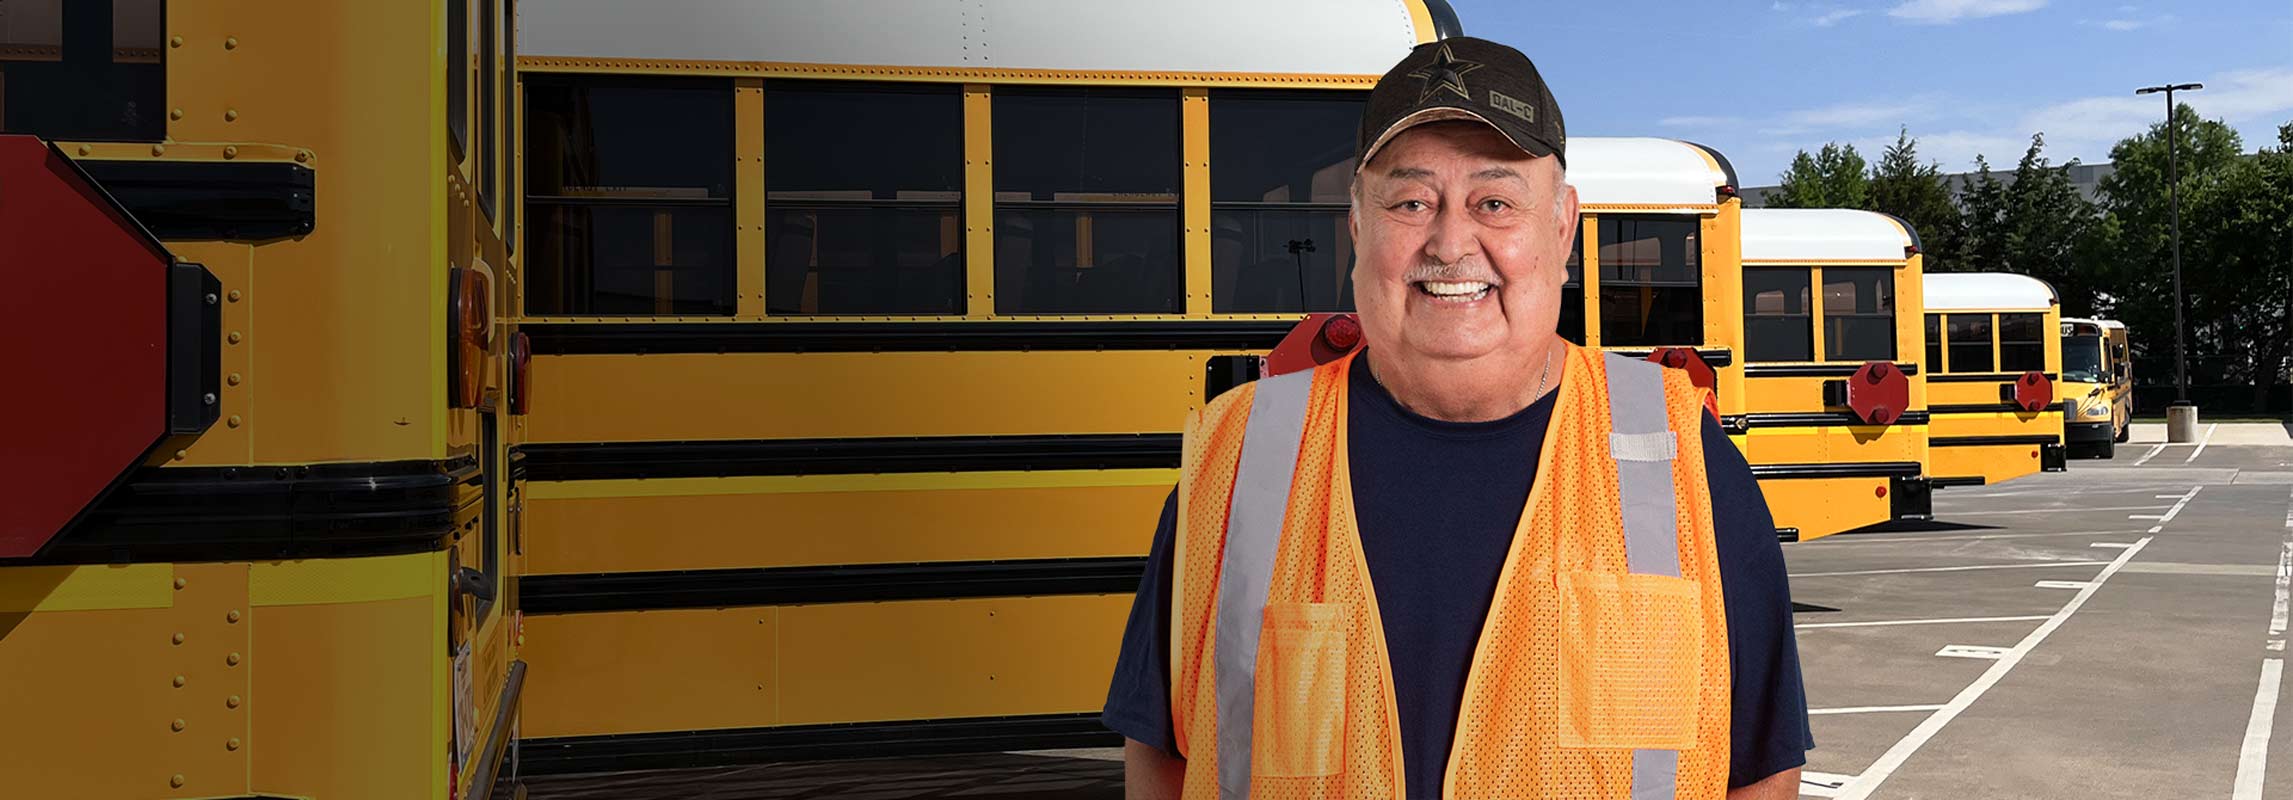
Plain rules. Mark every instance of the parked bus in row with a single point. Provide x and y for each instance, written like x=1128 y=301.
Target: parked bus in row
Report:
x=1993 y=357
x=2097 y=386
x=292 y=583
x=1834 y=413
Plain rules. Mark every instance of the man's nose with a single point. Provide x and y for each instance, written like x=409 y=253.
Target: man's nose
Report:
x=1453 y=237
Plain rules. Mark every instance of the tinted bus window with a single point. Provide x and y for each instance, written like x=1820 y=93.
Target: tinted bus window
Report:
x=83 y=69
x=629 y=197
x=2021 y=342
x=458 y=74
x=1858 y=314
x=489 y=81
x=1778 y=322
x=1934 y=344
x=1572 y=295
x=2083 y=359
x=1086 y=201
x=1650 y=282
x=863 y=198
x=1280 y=168
x=1969 y=342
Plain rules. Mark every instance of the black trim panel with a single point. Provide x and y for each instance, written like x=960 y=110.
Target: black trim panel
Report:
x=235 y=201
x=1911 y=498
x=1787 y=535
x=1742 y=422
x=1867 y=469
x=860 y=583
x=265 y=513
x=713 y=748
x=498 y=737
x=1714 y=357
x=1815 y=370
x=1445 y=24
x=1945 y=483
x=1991 y=408
x=194 y=349
x=1725 y=167
x=612 y=460
x=1990 y=441
x=877 y=337
x=1948 y=378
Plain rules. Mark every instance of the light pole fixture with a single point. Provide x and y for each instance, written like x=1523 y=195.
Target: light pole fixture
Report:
x=2187 y=416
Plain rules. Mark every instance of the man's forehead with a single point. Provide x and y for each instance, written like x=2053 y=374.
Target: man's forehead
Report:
x=1470 y=149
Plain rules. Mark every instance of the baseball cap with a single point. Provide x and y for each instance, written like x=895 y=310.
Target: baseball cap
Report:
x=1464 y=78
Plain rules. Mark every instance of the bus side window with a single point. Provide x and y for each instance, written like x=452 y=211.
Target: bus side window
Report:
x=1858 y=314
x=1778 y=322
x=1572 y=293
x=1934 y=344
x=1281 y=165
x=629 y=196
x=83 y=69
x=863 y=198
x=1086 y=200
x=489 y=81
x=2021 y=342
x=1970 y=344
x=1650 y=282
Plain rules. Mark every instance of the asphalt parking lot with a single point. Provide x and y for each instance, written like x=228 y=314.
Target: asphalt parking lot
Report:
x=2116 y=630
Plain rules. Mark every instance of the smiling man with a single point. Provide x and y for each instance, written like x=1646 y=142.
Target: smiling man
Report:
x=1472 y=560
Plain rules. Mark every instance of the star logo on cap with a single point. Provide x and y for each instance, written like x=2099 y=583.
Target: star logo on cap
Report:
x=1446 y=72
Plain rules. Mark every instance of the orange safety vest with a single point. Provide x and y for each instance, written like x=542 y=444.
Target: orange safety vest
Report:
x=1601 y=670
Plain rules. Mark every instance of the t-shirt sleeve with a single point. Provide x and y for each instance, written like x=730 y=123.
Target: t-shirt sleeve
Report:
x=1769 y=727
x=1138 y=699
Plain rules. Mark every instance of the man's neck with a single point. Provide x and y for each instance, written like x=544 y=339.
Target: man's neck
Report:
x=1492 y=387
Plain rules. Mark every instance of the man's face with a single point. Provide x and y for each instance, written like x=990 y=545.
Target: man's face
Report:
x=1460 y=253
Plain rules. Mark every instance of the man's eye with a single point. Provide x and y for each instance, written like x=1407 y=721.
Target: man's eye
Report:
x=1493 y=205
x=1411 y=205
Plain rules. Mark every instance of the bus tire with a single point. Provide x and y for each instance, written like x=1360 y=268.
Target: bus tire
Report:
x=2106 y=450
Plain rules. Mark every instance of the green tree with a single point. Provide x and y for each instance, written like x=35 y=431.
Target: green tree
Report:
x=2137 y=258
x=1834 y=177
x=2237 y=228
x=1983 y=235
x=1916 y=193
x=2047 y=224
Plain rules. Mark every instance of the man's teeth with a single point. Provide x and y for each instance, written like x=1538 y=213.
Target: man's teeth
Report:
x=1454 y=289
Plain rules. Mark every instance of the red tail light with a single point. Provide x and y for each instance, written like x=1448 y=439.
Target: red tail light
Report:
x=469 y=321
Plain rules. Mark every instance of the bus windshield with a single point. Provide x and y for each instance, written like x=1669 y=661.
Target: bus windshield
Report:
x=2082 y=359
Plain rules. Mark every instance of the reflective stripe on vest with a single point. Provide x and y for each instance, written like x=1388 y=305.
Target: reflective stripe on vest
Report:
x=1261 y=499
x=1643 y=445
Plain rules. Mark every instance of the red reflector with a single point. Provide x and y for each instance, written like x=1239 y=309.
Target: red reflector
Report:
x=1879 y=492
x=1342 y=332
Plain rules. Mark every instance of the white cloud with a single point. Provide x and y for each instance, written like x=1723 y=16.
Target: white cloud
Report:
x=2124 y=25
x=1835 y=17
x=1938 y=12
x=1852 y=115
x=2087 y=127
x=1698 y=122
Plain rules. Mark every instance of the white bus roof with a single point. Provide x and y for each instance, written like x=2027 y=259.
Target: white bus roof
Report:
x=1823 y=236
x=1970 y=291
x=2111 y=324
x=1637 y=171
x=1318 y=37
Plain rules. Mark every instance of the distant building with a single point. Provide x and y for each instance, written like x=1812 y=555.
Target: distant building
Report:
x=2086 y=178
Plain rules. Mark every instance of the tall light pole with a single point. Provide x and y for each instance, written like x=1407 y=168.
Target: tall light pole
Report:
x=2174 y=197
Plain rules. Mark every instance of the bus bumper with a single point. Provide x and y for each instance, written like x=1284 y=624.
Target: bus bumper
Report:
x=2077 y=433
x=1911 y=498
x=2053 y=458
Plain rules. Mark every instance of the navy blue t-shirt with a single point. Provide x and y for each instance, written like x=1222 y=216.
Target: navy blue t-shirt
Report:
x=1437 y=503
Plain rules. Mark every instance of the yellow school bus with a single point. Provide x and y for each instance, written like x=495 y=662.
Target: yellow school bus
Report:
x=1993 y=356
x=2097 y=386
x=302 y=594
x=1830 y=301
x=862 y=338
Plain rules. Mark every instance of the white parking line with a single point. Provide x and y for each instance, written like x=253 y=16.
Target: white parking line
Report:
x=2202 y=442
x=2254 y=756
x=1893 y=759
x=2277 y=612
x=2053 y=510
x=1861 y=539
x=1870 y=710
x=2112 y=545
x=1971 y=651
x=2149 y=455
x=1887 y=622
x=1967 y=568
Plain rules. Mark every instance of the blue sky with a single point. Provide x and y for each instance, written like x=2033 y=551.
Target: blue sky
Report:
x=1760 y=80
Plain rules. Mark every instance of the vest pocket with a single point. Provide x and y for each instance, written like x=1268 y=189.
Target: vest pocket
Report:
x=1631 y=660
x=1301 y=690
